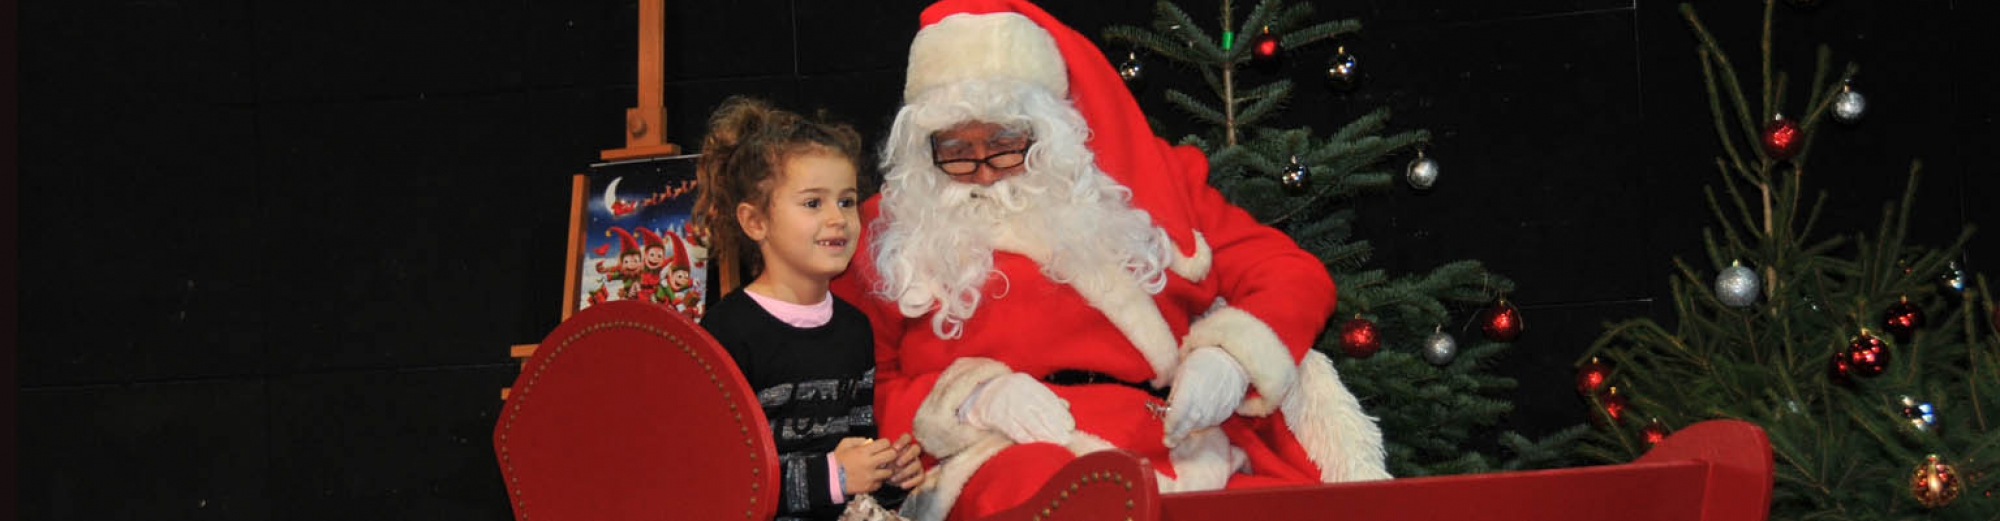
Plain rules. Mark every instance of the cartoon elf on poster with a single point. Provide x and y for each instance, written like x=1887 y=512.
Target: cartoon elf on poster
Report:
x=640 y=212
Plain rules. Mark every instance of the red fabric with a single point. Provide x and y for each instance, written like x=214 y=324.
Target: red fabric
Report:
x=1012 y=476
x=628 y=410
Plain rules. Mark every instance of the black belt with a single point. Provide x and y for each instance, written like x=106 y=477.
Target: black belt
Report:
x=1076 y=377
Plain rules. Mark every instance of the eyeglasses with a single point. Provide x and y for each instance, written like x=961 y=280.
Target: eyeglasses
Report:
x=999 y=161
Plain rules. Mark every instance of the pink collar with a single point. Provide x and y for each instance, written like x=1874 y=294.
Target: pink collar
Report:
x=798 y=315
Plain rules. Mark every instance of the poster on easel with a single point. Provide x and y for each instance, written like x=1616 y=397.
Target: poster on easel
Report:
x=632 y=236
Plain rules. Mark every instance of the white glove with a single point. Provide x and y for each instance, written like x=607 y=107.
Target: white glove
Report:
x=1021 y=407
x=1210 y=387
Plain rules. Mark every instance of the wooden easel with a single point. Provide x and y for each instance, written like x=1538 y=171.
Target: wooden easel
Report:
x=645 y=138
x=646 y=124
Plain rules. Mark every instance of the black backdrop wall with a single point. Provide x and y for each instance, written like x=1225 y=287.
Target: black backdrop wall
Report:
x=273 y=253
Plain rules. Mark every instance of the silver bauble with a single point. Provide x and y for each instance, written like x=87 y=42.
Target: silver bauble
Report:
x=1737 y=286
x=1848 y=106
x=1423 y=172
x=1440 y=348
x=1132 y=70
x=1296 y=178
x=1922 y=416
x=1342 y=69
x=1954 y=278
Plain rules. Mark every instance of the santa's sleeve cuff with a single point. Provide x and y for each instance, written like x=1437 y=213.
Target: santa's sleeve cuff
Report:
x=1255 y=347
x=937 y=425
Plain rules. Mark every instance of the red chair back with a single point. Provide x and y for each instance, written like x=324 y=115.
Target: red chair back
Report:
x=630 y=411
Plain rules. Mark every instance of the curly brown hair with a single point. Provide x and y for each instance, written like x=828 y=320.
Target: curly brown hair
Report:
x=746 y=147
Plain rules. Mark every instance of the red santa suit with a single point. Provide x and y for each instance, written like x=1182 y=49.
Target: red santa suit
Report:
x=1233 y=284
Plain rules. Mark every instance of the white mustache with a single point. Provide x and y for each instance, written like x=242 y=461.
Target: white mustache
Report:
x=1002 y=198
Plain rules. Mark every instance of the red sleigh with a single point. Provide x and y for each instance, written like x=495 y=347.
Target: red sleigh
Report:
x=629 y=411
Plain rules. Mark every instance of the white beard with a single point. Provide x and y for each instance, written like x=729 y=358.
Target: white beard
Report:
x=934 y=245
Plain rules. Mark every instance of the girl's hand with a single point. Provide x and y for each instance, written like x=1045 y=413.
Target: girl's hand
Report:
x=908 y=465
x=865 y=463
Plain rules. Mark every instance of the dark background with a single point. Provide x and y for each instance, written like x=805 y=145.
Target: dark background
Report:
x=272 y=253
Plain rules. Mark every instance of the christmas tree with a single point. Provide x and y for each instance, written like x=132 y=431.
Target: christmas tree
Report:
x=1870 y=362
x=1393 y=336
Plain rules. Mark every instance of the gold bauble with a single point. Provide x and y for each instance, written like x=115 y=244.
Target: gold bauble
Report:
x=1935 y=483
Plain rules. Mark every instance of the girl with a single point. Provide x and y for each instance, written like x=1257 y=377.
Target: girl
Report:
x=779 y=192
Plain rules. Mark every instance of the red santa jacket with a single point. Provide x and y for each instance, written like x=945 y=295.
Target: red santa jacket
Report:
x=1277 y=297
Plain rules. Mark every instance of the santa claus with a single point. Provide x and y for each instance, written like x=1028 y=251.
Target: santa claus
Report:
x=1046 y=278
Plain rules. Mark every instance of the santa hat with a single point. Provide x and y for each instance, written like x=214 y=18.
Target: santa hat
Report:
x=626 y=245
x=680 y=259
x=983 y=40
x=652 y=239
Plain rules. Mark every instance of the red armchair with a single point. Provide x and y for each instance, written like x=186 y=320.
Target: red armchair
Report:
x=630 y=411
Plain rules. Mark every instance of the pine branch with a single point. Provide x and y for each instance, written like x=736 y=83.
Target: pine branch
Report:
x=1194 y=108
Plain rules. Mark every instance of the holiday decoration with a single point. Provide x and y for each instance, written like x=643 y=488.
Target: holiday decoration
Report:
x=1296 y=178
x=1840 y=370
x=1358 y=338
x=1921 y=415
x=1934 y=483
x=1654 y=432
x=1614 y=404
x=1902 y=319
x=1422 y=172
x=1238 y=112
x=1265 y=46
x=1782 y=138
x=1132 y=71
x=1501 y=322
x=1592 y=376
x=1342 y=69
x=1737 y=286
x=1741 y=342
x=1440 y=348
x=1848 y=106
x=1954 y=278
x=1867 y=356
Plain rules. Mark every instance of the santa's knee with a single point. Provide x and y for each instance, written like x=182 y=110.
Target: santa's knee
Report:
x=1011 y=477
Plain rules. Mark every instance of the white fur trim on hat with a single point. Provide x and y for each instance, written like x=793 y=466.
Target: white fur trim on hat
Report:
x=985 y=46
x=1255 y=347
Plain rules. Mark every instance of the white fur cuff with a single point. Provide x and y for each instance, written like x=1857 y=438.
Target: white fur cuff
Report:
x=937 y=426
x=1254 y=346
x=1327 y=419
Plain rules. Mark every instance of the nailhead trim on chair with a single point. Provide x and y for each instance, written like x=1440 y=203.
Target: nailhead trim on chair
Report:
x=521 y=395
x=1105 y=476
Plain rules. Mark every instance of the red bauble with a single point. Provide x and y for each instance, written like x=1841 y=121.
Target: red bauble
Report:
x=1265 y=46
x=1867 y=356
x=1654 y=432
x=1782 y=138
x=1903 y=319
x=1614 y=404
x=1501 y=322
x=1591 y=376
x=1358 y=338
x=1839 y=370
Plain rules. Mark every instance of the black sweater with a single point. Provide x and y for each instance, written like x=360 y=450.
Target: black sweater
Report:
x=816 y=386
